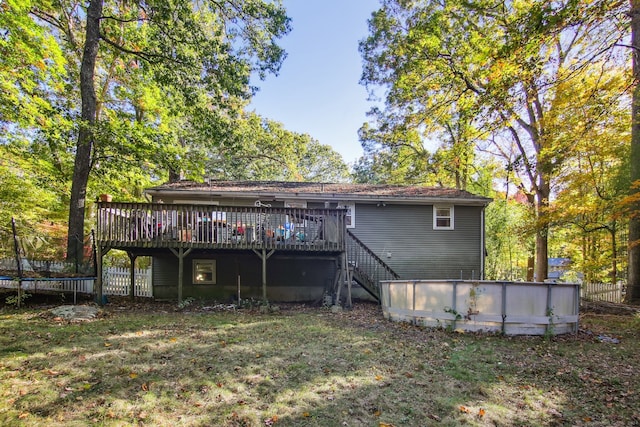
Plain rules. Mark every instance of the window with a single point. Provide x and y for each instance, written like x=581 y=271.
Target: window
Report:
x=350 y=216
x=443 y=217
x=204 y=271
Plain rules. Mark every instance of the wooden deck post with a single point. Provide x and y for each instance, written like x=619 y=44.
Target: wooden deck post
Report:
x=98 y=289
x=264 y=256
x=181 y=253
x=132 y=275
x=343 y=276
x=100 y=252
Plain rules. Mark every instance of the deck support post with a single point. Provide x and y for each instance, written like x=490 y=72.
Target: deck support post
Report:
x=343 y=276
x=180 y=253
x=100 y=252
x=349 y=274
x=264 y=256
x=132 y=275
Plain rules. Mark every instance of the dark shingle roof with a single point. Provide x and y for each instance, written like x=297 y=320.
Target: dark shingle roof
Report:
x=317 y=190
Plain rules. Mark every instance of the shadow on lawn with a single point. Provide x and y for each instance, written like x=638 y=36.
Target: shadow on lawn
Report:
x=308 y=368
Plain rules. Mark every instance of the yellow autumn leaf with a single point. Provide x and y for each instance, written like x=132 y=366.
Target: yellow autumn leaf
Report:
x=133 y=375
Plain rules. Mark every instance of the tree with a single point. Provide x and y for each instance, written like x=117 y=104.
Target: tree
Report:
x=496 y=66
x=256 y=148
x=200 y=54
x=31 y=64
x=594 y=179
x=633 y=283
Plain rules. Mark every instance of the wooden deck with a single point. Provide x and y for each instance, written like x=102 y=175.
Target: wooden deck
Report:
x=157 y=225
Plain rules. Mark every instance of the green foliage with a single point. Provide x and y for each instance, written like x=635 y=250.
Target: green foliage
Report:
x=171 y=83
x=508 y=242
x=262 y=149
x=502 y=80
x=31 y=66
x=17 y=300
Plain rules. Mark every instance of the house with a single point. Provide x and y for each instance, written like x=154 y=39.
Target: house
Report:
x=295 y=241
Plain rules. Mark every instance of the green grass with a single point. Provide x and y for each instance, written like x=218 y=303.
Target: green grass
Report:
x=151 y=365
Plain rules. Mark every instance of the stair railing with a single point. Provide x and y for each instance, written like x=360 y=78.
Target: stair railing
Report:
x=367 y=267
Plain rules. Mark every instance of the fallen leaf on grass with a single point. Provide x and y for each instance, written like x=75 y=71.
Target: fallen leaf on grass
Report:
x=383 y=424
x=481 y=412
x=144 y=387
x=271 y=421
x=133 y=375
x=378 y=377
x=107 y=344
x=23 y=415
x=306 y=414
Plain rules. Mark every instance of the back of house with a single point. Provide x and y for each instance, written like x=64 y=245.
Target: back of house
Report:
x=288 y=241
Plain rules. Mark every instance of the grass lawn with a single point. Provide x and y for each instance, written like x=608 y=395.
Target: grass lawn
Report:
x=141 y=364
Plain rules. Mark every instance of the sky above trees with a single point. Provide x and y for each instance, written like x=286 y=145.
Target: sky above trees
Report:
x=317 y=91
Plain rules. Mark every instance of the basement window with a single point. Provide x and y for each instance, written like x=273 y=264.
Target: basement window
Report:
x=443 y=217
x=204 y=271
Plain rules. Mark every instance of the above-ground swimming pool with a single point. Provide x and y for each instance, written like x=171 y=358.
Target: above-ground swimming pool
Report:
x=512 y=308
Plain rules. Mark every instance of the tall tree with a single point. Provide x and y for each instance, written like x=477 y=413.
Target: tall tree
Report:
x=84 y=147
x=498 y=65
x=633 y=281
x=200 y=53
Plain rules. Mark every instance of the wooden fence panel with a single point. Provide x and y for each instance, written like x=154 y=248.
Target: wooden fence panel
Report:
x=607 y=292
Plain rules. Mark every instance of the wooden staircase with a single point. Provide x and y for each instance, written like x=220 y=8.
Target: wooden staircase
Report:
x=365 y=267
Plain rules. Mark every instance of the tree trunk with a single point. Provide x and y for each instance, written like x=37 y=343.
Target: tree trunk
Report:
x=614 y=254
x=531 y=262
x=84 y=147
x=633 y=281
x=542 y=230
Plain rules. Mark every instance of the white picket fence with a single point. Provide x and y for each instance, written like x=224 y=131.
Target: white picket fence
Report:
x=608 y=292
x=115 y=280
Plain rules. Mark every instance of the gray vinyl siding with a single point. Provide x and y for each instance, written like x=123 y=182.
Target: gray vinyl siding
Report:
x=289 y=278
x=403 y=236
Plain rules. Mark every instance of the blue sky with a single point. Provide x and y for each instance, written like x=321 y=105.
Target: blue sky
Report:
x=317 y=91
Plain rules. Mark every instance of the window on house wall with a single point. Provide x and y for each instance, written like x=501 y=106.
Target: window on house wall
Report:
x=350 y=216
x=204 y=271
x=442 y=217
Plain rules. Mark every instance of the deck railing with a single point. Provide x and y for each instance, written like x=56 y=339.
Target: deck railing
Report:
x=157 y=225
